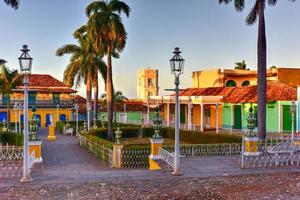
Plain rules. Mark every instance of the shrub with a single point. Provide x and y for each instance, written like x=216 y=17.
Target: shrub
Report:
x=11 y=138
x=197 y=137
x=194 y=137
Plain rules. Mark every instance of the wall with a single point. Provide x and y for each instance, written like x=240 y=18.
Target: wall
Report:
x=208 y=78
x=43 y=112
x=226 y=116
x=213 y=116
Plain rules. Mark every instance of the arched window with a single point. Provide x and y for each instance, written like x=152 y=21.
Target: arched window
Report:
x=230 y=83
x=246 y=83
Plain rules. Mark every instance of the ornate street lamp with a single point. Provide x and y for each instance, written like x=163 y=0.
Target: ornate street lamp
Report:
x=16 y=109
x=25 y=66
x=293 y=109
x=57 y=113
x=76 y=107
x=177 y=65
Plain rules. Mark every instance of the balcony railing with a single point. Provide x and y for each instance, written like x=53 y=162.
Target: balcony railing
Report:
x=41 y=103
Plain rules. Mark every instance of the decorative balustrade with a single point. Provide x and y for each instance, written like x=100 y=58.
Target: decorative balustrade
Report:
x=135 y=157
x=99 y=150
x=31 y=159
x=273 y=152
x=200 y=150
x=42 y=103
x=166 y=156
x=11 y=161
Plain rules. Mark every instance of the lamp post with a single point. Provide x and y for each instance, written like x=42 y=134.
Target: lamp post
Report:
x=57 y=112
x=293 y=110
x=25 y=66
x=76 y=110
x=19 y=114
x=16 y=109
x=176 y=64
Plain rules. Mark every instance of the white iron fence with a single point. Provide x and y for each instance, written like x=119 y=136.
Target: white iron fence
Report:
x=273 y=152
x=166 y=156
x=11 y=161
x=99 y=150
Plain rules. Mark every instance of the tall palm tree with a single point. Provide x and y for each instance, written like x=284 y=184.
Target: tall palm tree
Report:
x=84 y=65
x=9 y=80
x=13 y=3
x=106 y=29
x=241 y=65
x=118 y=97
x=258 y=11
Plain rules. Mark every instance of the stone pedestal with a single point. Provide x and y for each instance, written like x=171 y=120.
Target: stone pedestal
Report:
x=155 y=144
x=251 y=146
x=51 y=135
x=36 y=146
x=117 y=157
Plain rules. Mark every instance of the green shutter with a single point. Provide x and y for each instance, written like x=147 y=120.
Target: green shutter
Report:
x=237 y=117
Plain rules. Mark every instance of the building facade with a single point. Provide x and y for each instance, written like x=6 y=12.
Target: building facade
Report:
x=147 y=83
x=52 y=99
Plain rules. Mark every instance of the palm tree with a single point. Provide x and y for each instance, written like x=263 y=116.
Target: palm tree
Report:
x=241 y=65
x=118 y=98
x=84 y=65
x=258 y=11
x=13 y=3
x=109 y=36
x=9 y=80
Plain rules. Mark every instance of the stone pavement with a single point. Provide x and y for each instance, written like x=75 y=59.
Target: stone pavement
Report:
x=66 y=162
x=285 y=186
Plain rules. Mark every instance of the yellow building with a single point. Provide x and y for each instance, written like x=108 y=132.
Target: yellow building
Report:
x=52 y=98
x=147 y=83
x=238 y=78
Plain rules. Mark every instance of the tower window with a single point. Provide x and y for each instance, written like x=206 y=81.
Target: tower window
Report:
x=150 y=82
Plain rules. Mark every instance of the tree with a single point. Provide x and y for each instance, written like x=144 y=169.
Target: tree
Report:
x=109 y=36
x=241 y=65
x=258 y=11
x=13 y=3
x=117 y=98
x=9 y=80
x=84 y=65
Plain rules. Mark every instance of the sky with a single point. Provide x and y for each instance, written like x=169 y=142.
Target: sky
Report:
x=209 y=35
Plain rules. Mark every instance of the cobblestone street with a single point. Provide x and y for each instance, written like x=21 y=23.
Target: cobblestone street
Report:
x=279 y=186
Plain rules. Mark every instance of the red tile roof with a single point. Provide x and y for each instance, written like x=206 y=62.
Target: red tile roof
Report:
x=246 y=94
x=46 y=83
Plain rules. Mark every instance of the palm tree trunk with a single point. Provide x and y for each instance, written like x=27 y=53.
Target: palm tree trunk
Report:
x=8 y=112
x=88 y=99
x=261 y=71
x=109 y=95
x=96 y=91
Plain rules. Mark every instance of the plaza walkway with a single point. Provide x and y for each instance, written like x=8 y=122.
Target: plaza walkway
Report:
x=65 y=162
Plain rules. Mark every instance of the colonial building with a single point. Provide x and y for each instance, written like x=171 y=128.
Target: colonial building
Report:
x=52 y=98
x=232 y=78
x=220 y=99
x=147 y=83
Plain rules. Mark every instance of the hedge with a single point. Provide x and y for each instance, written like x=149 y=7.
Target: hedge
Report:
x=193 y=137
x=11 y=138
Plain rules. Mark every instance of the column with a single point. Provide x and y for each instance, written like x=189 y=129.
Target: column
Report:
x=168 y=114
x=190 y=106
x=148 y=113
x=179 y=124
x=202 y=117
x=217 y=118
